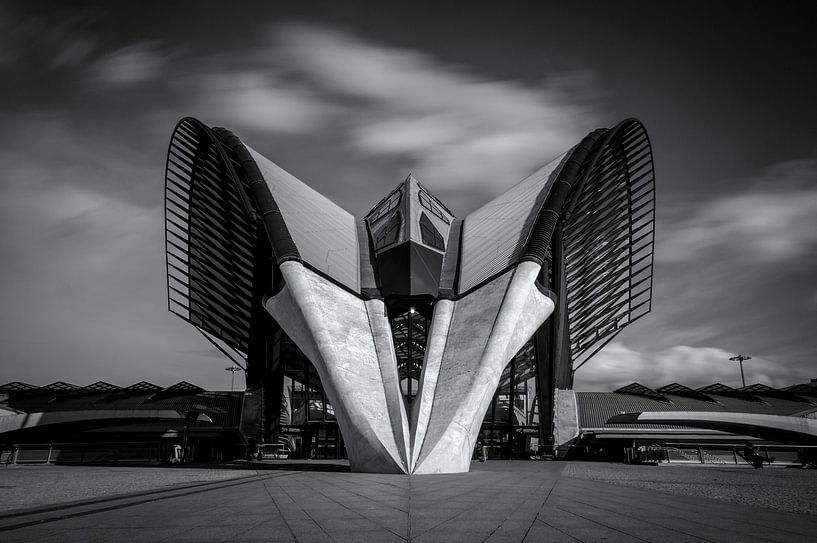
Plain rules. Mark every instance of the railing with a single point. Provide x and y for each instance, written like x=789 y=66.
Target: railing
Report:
x=274 y=451
x=720 y=454
x=81 y=453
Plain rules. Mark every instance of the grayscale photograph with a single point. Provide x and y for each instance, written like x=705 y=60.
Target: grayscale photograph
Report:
x=423 y=272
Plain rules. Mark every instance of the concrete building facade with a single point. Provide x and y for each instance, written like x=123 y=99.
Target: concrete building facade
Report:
x=416 y=327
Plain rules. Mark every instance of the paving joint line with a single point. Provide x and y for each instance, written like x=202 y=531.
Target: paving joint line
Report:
x=602 y=524
x=305 y=512
x=361 y=515
x=630 y=516
x=169 y=494
x=537 y=519
x=281 y=513
x=534 y=516
x=102 y=499
x=539 y=509
x=696 y=501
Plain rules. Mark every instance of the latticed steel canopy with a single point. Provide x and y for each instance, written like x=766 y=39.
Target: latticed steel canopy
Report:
x=608 y=241
x=211 y=237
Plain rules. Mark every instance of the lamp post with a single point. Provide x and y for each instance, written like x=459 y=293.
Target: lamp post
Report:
x=189 y=418
x=232 y=370
x=740 y=358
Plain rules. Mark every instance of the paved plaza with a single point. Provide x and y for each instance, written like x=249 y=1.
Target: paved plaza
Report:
x=496 y=501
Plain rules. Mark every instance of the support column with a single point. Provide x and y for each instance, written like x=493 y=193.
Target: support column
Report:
x=274 y=385
x=560 y=347
x=544 y=384
x=551 y=342
x=265 y=368
x=511 y=402
x=544 y=366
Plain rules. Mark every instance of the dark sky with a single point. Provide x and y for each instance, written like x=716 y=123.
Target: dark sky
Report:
x=350 y=98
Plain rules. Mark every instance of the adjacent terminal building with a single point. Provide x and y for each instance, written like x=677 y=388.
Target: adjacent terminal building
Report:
x=409 y=335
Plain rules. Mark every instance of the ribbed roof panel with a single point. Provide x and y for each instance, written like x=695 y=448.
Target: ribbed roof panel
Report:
x=595 y=408
x=324 y=233
x=494 y=235
x=223 y=407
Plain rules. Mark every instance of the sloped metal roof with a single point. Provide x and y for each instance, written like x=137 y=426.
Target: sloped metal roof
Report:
x=494 y=236
x=803 y=389
x=143 y=386
x=760 y=389
x=637 y=389
x=324 y=233
x=17 y=386
x=595 y=408
x=101 y=386
x=681 y=390
x=724 y=390
x=223 y=407
x=60 y=386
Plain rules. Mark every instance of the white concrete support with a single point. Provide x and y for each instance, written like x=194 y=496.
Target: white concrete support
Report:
x=349 y=341
x=487 y=328
x=565 y=421
x=435 y=347
x=334 y=329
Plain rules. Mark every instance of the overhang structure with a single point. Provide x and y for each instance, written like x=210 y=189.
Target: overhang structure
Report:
x=409 y=316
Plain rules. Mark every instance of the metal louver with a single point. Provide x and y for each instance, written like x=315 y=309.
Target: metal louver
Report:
x=210 y=237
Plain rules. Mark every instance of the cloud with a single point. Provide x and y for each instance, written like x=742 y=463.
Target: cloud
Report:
x=618 y=365
x=136 y=63
x=262 y=100
x=81 y=235
x=732 y=272
x=457 y=128
x=58 y=41
x=112 y=157
x=773 y=218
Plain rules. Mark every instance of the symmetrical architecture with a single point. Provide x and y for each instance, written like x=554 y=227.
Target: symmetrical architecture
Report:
x=415 y=332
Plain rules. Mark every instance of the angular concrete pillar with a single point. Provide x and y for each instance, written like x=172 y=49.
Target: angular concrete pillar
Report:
x=357 y=366
x=487 y=328
x=349 y=342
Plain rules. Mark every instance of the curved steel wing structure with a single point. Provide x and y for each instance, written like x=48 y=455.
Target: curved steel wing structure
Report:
x=573 y=241
x=211 y=238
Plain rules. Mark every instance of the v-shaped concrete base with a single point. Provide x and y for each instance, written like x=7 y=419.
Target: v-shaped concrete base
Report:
x=470 y=342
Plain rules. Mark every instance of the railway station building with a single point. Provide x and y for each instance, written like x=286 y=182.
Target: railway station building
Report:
x=410 y=334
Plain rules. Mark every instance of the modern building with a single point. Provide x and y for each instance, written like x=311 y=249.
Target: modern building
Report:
x=146 y=423
x=702 y=424
x=105 y=423
x=410 y=333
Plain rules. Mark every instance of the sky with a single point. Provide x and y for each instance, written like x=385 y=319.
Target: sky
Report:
x=350 y=97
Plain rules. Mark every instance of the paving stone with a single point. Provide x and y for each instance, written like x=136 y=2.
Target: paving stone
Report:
x=499 y=501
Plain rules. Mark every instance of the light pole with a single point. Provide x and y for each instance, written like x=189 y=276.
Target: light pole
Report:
x=190 y=417
x=740 y=358
x=232 y=370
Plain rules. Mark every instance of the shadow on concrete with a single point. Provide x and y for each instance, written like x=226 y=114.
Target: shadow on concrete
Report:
x=276 y=465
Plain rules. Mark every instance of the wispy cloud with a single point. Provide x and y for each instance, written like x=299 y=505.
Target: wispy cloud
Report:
x=33 y=43
x=136 y=63
x=730 y=274
x=457 y=128
x=263 y=100
x=773 y=218
x=618 y=365
x=83 y=152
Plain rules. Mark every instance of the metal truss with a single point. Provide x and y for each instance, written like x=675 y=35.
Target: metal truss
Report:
x=410 y=332
x=210 y=239
x=608 y=236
